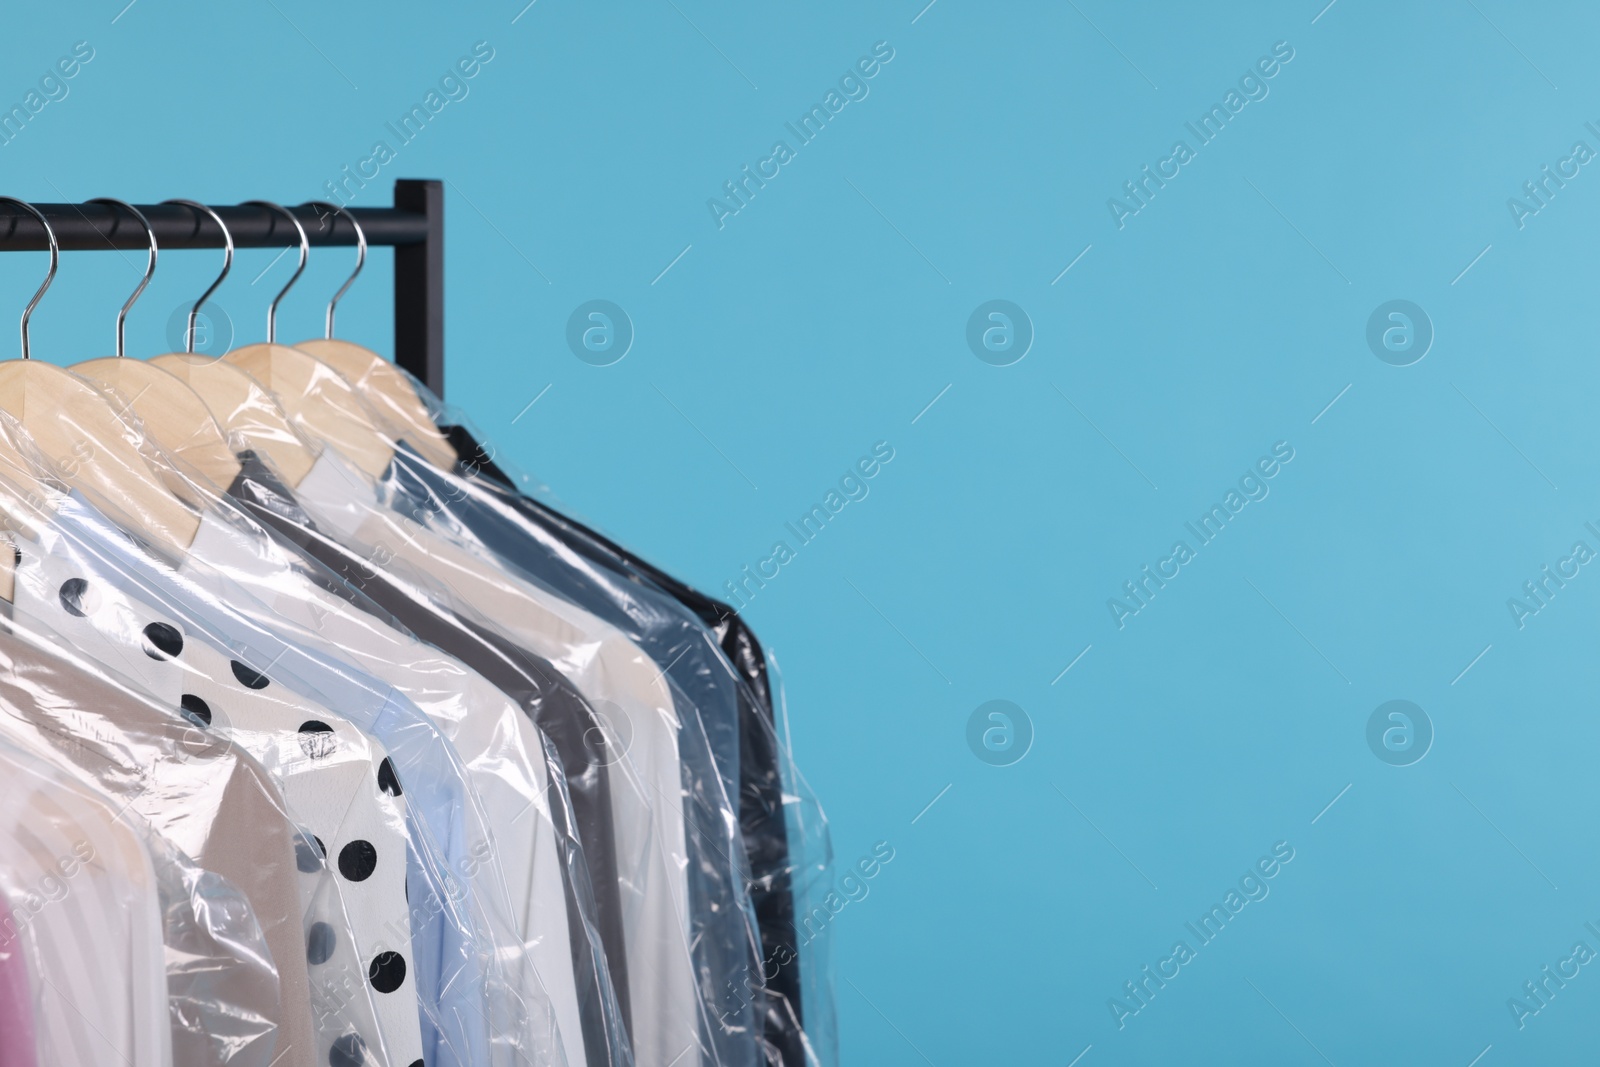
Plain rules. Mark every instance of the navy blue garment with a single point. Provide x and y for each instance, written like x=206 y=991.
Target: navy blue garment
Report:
x=729 y=686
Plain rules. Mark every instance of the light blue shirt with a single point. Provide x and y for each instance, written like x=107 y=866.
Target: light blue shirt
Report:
x=448 y=945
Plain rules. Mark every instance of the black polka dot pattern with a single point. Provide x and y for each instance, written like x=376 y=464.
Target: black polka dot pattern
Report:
x=195 y=710
x=248 y=677
x=162 y=641
x=74 y=595
x=328 y=941
x=348 y=1051
x=316 y=737
x=388 y=781
x=320 y=941
x=358 y=860
x=387 y=972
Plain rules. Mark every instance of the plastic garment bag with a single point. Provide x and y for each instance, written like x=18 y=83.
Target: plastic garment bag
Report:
x=189 y=803
x=507 y=761
x=82 y=974
x=757 y=992
x=477 y=1012
x=501 y=747
x=351 y=845
x=580 y=798
x=474 y=1012
x=671 y=1015
x=772 y=793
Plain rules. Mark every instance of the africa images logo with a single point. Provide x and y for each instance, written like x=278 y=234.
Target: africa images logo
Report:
x=1252 y=887
x=1252 y=487
x=1205 y=129
x=853 y=88
x=852 y=486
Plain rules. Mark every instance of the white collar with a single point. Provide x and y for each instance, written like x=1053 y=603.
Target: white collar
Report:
x=336 y=495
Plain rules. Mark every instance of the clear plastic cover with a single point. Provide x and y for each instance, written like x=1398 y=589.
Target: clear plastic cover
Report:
x=784 y=828
x=732 y=967
x=331 y=776
x=605 y=839
x=577 y=767
x=477 y=1003
x=501 y=747
x=636 y=705
x=546 y=895
x=72 y=876
x=809 y=872
x=712 y=655
x=184 y=801
x=675 y=827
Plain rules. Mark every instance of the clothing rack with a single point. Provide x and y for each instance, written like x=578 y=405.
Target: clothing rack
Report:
x=414 y=227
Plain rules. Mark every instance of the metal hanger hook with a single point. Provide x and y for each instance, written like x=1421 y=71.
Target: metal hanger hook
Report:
x=55 y=261
x=227 y=265
x=305 y=252
x=149 y=269
x=361 y=258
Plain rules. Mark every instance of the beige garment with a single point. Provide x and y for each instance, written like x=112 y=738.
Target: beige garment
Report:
x=213 y=801
x=622 y=683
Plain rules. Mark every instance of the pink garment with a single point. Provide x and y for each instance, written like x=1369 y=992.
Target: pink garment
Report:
x=17 y=1047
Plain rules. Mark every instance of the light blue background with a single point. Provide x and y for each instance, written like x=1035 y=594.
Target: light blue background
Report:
x=826 y=315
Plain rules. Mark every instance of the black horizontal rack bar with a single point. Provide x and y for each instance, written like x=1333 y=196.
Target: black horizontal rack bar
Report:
x=414 y=227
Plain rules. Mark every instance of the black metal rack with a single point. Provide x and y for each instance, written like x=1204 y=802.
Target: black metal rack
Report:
x=414 y=227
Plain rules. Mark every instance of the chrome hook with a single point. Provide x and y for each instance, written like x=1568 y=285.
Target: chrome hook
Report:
x=305 y=252
x=227 y=264
x=361 y=260
x=149 y=270
x=55 y=260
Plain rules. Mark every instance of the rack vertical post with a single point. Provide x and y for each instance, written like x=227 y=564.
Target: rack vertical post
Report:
x=419 y=285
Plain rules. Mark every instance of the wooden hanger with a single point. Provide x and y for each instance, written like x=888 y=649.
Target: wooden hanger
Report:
x=242 y=406
x=319 y=400
x=236 y=402
x=176 y=417
x=79 y=432
x=384 y=387
x=378 y=381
